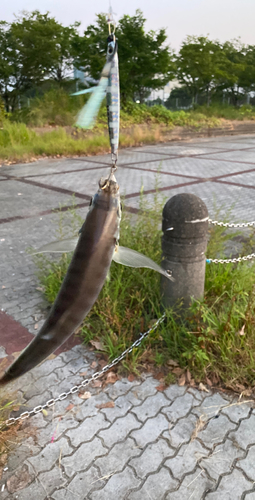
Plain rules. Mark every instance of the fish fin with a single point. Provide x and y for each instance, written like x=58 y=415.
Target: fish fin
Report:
x=131 y=258
x=87 y=115
x=60 y=246
x=85 y=91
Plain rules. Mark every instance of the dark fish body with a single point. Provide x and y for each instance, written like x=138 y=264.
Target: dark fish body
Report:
x=83 y=282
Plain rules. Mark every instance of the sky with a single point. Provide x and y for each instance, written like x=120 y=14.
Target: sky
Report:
x=220 y=19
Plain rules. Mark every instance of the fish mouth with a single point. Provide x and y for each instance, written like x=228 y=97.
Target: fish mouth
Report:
x=109 y=183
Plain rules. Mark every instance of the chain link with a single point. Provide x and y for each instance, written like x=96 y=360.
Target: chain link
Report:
x=228 y=261
x=231 y=224
x=85 y=382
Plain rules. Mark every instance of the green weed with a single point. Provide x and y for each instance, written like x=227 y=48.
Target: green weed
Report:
x=215 y=340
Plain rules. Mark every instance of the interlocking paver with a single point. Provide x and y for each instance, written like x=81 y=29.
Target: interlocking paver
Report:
x=180 y=407
x=151 y=458
x=151 y=406
x=119 y=483
x=155 y=487
x=151 y=430
x=87 y=429
x=245 y=433
x=83 y=456
x=181 y=432
x=80 y=486
x=186 y=459
x=45 y=460
x=121 y=406
x=231 y=487
x=119 y=388
x=119 y=430
x=221 y=459
x=248 y=463
x=238 y=411
x=193 y=486
x=117 y=457
x=216 y=431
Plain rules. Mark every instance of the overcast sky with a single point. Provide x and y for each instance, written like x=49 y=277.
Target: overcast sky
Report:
x=221 y=19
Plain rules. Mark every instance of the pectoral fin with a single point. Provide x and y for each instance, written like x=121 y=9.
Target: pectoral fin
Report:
x=131 y=258
x=60 y=246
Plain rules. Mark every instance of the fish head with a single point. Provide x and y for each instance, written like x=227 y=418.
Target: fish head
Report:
x=107 y=201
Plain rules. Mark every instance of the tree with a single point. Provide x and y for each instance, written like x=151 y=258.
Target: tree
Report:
x=32 y=48
x=145 y=61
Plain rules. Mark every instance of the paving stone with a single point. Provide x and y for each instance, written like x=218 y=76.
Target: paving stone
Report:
x=120 y=482
x=87 y=429
x=40 y=399
x=151 y=458
x=81 y=484
x=38 y=420
x=119 y=388
x=180 y=407
x=145 y=389
x=151 y=430
x=121 y=406
x=39 y=386
x=69 y=356
x=250 y=496
x=237 y=412
x=193 y=486
x=119 y=430
x=186 y=459
x=45 y=368
x=212 y=405
x=151 y=406
x=118 y=456
x=174 y=391
x=88 y=407
x=221 y=459
x=199 y=395
x=34 y=491
x=245 y=433
x=25 y=450
x=45 y=460
x=52 y=479
x=216 y=431
x=55 y=428
x=155 y=487
x=248 y=464
x=83 y=456
x=231 y=487
x=181 y=432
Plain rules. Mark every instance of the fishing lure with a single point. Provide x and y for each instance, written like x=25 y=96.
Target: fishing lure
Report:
x=108 y=85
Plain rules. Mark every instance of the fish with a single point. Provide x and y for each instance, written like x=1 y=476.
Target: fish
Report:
x=94 y=250
x=83 y=281
x=108 y=85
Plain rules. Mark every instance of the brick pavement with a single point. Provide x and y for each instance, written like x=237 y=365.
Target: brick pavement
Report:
x=150 y=444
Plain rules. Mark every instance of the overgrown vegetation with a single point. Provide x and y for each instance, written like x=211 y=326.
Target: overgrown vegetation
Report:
x=214 y=343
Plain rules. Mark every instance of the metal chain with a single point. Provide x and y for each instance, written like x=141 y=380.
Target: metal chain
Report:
x=231 y=224
x=85 y=382
x=228 y=261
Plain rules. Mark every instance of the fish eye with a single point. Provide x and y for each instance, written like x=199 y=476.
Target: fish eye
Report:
x=110 y=50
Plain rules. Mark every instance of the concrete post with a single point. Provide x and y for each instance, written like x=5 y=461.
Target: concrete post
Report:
x=184 y=241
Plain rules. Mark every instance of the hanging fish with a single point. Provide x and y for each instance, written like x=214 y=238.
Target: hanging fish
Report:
x=109 y=85
x=95 y=248
x=83 y=282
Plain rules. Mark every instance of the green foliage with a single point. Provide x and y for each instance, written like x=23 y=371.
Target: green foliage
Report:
x=145 y=61
x=215 y=340
x=33 y=47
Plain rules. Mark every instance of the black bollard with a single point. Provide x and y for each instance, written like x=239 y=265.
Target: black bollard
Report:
x=185 y=228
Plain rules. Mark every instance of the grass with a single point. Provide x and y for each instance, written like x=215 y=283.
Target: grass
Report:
x=216 y=340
